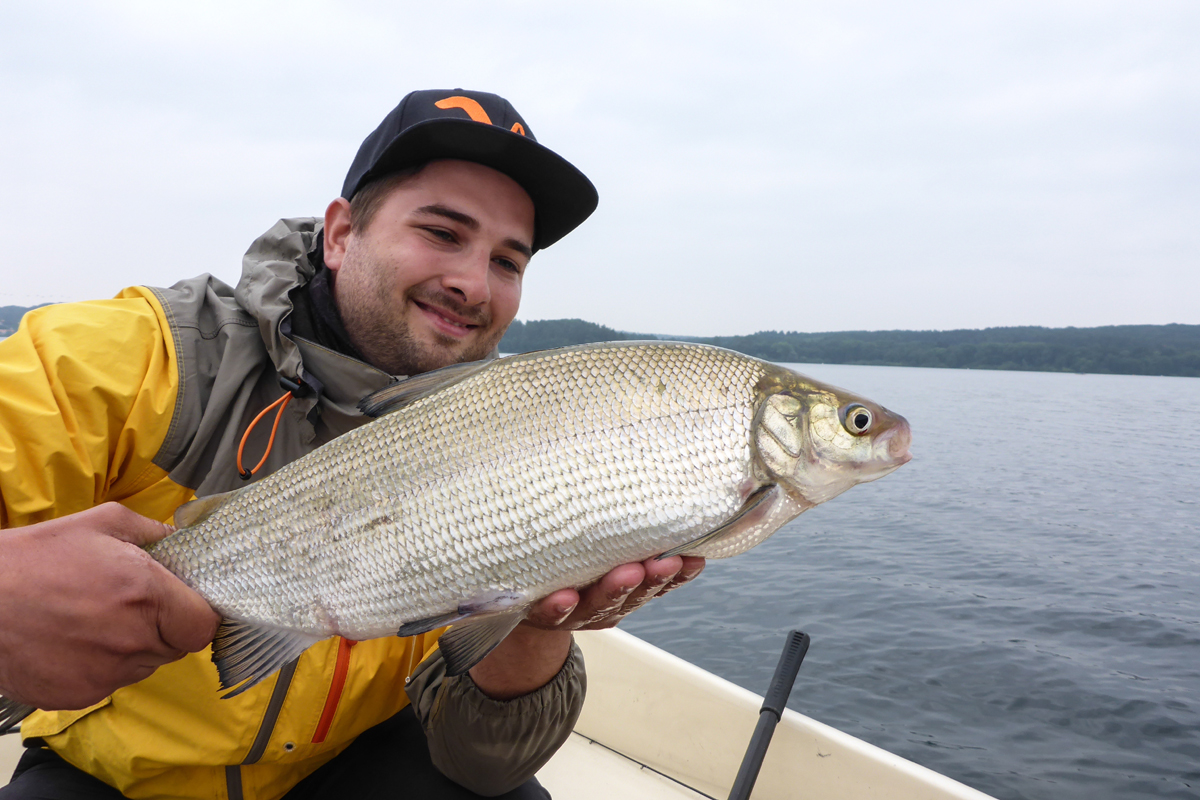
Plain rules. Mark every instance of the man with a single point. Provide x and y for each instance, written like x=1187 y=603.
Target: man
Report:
x=148 y=400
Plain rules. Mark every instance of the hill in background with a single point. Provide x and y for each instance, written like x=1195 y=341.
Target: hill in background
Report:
x=1114 y=349
x=10 y=318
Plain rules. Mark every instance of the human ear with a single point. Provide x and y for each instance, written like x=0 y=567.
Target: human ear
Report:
x=337 y=231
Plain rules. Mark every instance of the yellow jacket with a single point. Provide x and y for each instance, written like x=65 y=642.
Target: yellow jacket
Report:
x=142 y=400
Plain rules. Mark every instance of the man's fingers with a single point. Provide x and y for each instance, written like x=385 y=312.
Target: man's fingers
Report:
x=607 y=596
x=185 y=621
x=553 y=610
x=624 y=589
x=120 y=523
x=692 y=566
x=659 y=573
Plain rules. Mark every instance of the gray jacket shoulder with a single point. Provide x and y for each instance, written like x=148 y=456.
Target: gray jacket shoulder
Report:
x=233 y=351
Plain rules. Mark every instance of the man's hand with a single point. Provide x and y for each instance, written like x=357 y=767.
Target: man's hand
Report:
x=535 y=651
x=622 y=591
x=84 y=610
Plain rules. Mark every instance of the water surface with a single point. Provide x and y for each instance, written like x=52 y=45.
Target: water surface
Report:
x=1018 y=607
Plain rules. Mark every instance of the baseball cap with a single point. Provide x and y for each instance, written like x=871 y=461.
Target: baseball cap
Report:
x=486 y=129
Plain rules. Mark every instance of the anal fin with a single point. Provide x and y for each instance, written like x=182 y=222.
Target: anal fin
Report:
x=464 y=646
x=758 y=501
x=246 y=654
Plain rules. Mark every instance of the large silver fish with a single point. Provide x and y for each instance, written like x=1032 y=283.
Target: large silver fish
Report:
x=486 y=486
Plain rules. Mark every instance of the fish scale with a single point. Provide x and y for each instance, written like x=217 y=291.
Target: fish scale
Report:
x=449 y=456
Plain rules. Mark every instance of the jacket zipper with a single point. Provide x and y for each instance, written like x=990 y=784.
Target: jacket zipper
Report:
x=340 y=669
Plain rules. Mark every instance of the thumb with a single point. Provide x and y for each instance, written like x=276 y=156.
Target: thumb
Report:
x=185 y=619
x=120 y=523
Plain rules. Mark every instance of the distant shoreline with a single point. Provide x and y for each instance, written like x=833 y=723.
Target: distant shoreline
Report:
x=1167 y=350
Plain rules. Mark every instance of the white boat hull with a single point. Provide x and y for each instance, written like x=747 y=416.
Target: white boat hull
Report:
x=656 y=727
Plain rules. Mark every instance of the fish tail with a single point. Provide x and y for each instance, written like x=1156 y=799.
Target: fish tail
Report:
x=11 y=714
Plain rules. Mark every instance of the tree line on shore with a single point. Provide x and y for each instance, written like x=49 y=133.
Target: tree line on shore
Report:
x=1114 y=349
x=10 y=318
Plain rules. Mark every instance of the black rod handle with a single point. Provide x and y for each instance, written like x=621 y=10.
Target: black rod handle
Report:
x=768 y=716
x=785 y=673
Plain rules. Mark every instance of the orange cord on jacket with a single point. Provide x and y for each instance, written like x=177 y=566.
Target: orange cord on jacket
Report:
x=282 y=403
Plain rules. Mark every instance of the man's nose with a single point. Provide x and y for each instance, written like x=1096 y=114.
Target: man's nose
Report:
x=469 y=277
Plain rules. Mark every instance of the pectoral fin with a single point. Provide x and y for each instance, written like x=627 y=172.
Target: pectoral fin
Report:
x=11 y=713
x=478 y=606
x=759 y=500
x=417 y=627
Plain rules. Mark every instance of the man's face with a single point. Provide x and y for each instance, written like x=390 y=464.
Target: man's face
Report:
x=435 y=278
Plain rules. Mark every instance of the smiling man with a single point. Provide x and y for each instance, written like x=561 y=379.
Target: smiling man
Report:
x=435 y=277
x=114 y=413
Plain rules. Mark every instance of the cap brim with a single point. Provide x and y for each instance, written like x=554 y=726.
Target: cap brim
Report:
x=562 y=196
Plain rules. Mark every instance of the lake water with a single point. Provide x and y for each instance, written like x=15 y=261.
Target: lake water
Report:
x=1018 y=607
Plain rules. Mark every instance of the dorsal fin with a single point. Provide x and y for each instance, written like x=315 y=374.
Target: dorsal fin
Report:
x=200 y=509
x=408 y=391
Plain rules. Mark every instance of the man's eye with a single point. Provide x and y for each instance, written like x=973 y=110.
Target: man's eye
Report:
x=440 y=233
x=509 y=266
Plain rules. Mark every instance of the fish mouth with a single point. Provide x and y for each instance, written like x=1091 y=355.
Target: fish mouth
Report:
x=892 y=445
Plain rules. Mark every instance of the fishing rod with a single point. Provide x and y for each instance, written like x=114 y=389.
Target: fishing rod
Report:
x=768 y=716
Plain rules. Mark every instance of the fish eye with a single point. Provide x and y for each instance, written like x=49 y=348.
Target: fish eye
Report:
x=857 y=419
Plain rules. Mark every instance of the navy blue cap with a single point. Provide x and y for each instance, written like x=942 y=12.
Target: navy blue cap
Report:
x=486 y=129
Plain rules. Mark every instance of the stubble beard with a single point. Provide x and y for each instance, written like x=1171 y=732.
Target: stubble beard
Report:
x=387 y=342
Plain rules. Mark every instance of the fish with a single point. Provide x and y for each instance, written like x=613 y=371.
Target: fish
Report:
x=482 y=487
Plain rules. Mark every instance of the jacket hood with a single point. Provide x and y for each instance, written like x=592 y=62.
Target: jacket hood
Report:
x=276 y=263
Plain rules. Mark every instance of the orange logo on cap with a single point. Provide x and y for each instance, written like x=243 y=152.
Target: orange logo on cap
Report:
x=474 y=111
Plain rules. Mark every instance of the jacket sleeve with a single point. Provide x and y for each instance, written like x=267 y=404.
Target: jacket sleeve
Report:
x=492 y=746
x=86 y=394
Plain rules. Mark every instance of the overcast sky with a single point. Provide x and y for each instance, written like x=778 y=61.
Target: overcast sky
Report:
x=806 y=166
